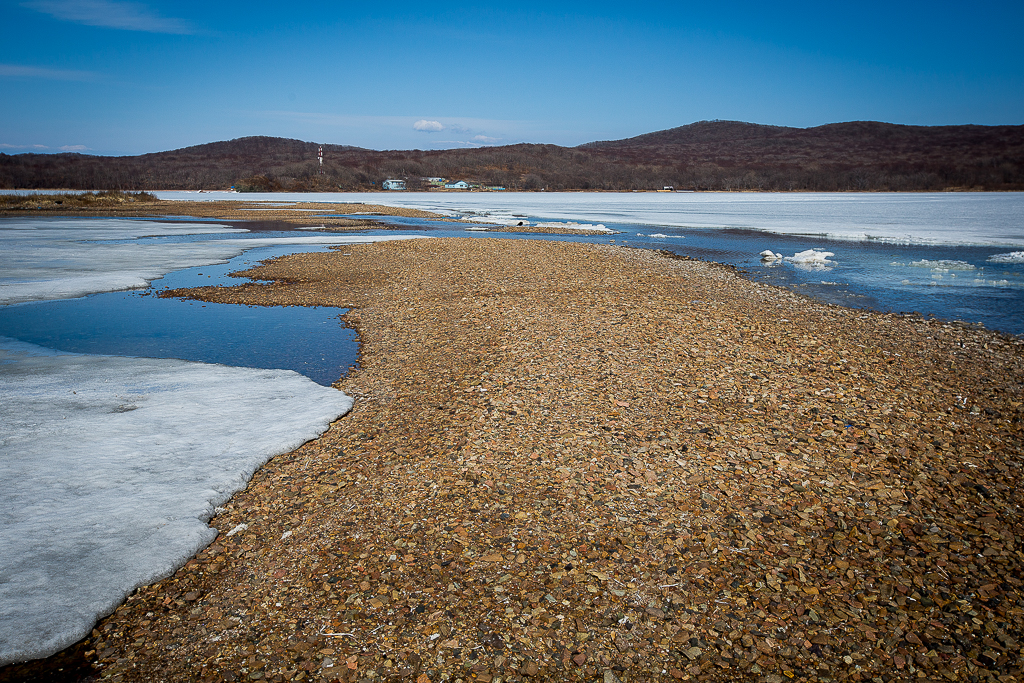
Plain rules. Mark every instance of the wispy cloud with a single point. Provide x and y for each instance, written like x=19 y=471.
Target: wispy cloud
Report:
x=456 y=128
x=127 y=16
x=428 y=126
x=20 y=71
x=63 y=148
x=463 y=143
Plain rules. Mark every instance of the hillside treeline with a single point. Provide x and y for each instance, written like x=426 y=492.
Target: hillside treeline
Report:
x=715 y=155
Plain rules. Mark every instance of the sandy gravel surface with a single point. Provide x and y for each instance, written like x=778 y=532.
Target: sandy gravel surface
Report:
x=329 y=215
x=577 y=462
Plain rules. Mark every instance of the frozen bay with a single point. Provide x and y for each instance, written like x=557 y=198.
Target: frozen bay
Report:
x=965 y=218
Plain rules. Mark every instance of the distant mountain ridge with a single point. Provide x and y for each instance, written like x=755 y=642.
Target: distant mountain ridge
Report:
x=706 y=155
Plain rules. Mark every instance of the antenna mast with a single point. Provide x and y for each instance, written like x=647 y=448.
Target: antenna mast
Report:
x=320 y=156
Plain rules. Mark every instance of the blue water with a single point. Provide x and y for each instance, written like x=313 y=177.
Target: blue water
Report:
x=310 y=340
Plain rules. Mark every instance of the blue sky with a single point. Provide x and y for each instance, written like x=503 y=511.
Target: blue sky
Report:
x=113 y=77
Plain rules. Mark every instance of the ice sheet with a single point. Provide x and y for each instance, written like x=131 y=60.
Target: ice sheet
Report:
x=67 y=258
x=979 y=218
x=111 y=467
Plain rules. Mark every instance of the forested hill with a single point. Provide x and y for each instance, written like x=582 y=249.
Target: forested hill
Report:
x=708 y=155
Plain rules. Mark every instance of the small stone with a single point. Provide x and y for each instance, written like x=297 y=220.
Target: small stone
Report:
x=191 y=596
x=693 y=653
x=580 y=659
x=610 y=677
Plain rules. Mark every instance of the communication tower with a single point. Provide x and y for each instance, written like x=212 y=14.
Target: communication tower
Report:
x=320 y=156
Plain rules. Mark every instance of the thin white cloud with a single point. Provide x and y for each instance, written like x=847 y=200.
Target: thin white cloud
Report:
x=464 y=143
x=428 y=126
x=127 y=16
x=20 y=71
x=63 y=148
x=484 y=139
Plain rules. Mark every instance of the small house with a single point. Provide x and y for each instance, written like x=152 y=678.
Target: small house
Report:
x=457 y=185
x=391 y=184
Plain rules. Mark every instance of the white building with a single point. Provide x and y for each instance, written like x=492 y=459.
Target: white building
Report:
x=391 y=184
x=457 y=185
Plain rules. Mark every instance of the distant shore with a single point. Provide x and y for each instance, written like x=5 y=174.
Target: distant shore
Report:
x=571 y=461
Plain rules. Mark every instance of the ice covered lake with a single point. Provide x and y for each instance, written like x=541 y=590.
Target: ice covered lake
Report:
x=112 y=465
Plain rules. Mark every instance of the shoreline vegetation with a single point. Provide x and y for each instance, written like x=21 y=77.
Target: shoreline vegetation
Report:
x=704 y=156
x=588 y=462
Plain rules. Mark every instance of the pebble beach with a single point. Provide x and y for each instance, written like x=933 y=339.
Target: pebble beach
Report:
x=594 y=463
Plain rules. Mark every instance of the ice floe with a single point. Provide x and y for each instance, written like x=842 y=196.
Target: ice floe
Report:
x=1011 y=257
x=111 y=469
x=810 y=259
x=943 y=265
